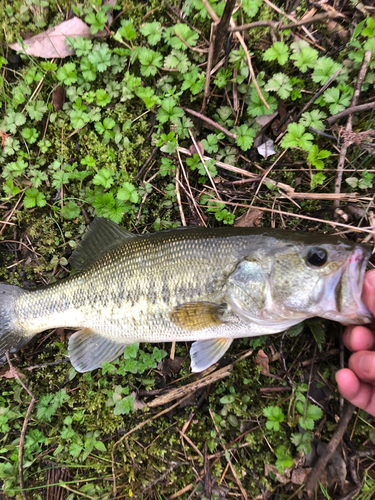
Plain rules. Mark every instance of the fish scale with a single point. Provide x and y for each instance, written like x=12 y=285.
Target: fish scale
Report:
x=207 y=285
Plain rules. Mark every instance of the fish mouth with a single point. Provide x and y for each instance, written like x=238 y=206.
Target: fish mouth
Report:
x=342 y=298
x=344 y=291
x=356 y=268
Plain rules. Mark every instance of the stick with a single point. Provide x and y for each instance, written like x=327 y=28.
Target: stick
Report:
x=281 y=26
x=335 y=441
x=349 y=111
x=211 y=122
x=300 y=216
x=344 y=148
x=216 y=18
x=204 y=164
x=320 y=92
x=24 y=427
x=190 y=388
x=183 y=19
x=240 y=171
x=222 y=28
x=209 y=65
x=194 y=49
x=288 y=17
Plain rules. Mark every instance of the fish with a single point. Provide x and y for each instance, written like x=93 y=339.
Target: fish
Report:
x=206 y=285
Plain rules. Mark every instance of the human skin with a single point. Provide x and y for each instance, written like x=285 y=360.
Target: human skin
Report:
x=357 y=383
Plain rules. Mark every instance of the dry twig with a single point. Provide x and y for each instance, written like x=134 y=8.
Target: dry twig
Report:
x=24 y=427
x=331 y=447
x=349 y=111
x=211 y=122
x=216 y=19
x=344 y=148
x=277 y=26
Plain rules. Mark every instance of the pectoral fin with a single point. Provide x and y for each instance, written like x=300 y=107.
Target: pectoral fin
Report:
x=88 y=350
x=205 y=353
x=197 y=315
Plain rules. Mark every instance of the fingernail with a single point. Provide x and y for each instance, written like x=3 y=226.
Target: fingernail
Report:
x=366 y=363
x=370 y=279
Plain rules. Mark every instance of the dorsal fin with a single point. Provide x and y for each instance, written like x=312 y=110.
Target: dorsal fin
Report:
x=101 y=236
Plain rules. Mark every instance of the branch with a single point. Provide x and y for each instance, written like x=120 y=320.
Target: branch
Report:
x=211 y=122
x=281 y=26
x=349 y=111
x=331 y=447
x=344 y=148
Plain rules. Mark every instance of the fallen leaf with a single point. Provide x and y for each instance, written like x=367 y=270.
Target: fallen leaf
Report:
x=60 y=332
x=110 y=11
x=250 y=219
x=51 y=43
x=264 y=120
x=275 y=357
x=336 y=466
x=58 y=97
x=299 y=476
x=171 y=366
x=266 y=149
x=12 y=373
x=138 y=404
x=261 y=360
x=193 y=149
x=281 y=478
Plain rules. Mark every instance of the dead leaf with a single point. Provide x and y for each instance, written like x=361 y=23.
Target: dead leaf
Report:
x=336 y=469
x=250 y=219
x=299 y=476
x=266 y=149
x=60 y=332
x=193 y=150
x=138 y=404
x=51 y=43
x=171 y=366
x=12 y=373
x=281 y=478
x=264 y=120
x=261 y=360
x=58 y=97
x=110 y=11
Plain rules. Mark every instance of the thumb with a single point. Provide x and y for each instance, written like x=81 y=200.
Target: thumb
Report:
x=368 y=292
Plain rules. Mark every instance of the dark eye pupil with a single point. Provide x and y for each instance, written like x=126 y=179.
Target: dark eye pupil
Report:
x=317 y=257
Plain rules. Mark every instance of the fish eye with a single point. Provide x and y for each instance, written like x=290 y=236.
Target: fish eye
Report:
x=317 y=257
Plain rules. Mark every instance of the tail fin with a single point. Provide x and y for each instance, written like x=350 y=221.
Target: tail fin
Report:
x=11 y=337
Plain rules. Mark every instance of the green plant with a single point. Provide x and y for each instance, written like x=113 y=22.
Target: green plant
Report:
x=275 y=416
x=279 y=51
x=297 y=137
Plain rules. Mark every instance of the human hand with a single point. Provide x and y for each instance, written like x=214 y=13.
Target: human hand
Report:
x=357 y=383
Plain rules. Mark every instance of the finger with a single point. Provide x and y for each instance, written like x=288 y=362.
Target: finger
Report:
x=368 y=291
x=358 y=393
x=359 y=338
x=362 y=363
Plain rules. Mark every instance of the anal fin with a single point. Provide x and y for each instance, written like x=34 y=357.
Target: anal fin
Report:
x=205 y=353
x=197 y=315
x=88 y=350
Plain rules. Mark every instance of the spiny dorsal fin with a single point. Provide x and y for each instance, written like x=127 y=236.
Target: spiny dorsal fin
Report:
x=101 y=236
x=197 y=315
x=88 y=350
x=205 y=353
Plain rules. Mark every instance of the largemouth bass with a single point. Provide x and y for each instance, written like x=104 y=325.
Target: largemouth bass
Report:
x=206 y=285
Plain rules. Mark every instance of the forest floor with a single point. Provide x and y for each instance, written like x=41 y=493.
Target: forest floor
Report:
x=157 y=115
